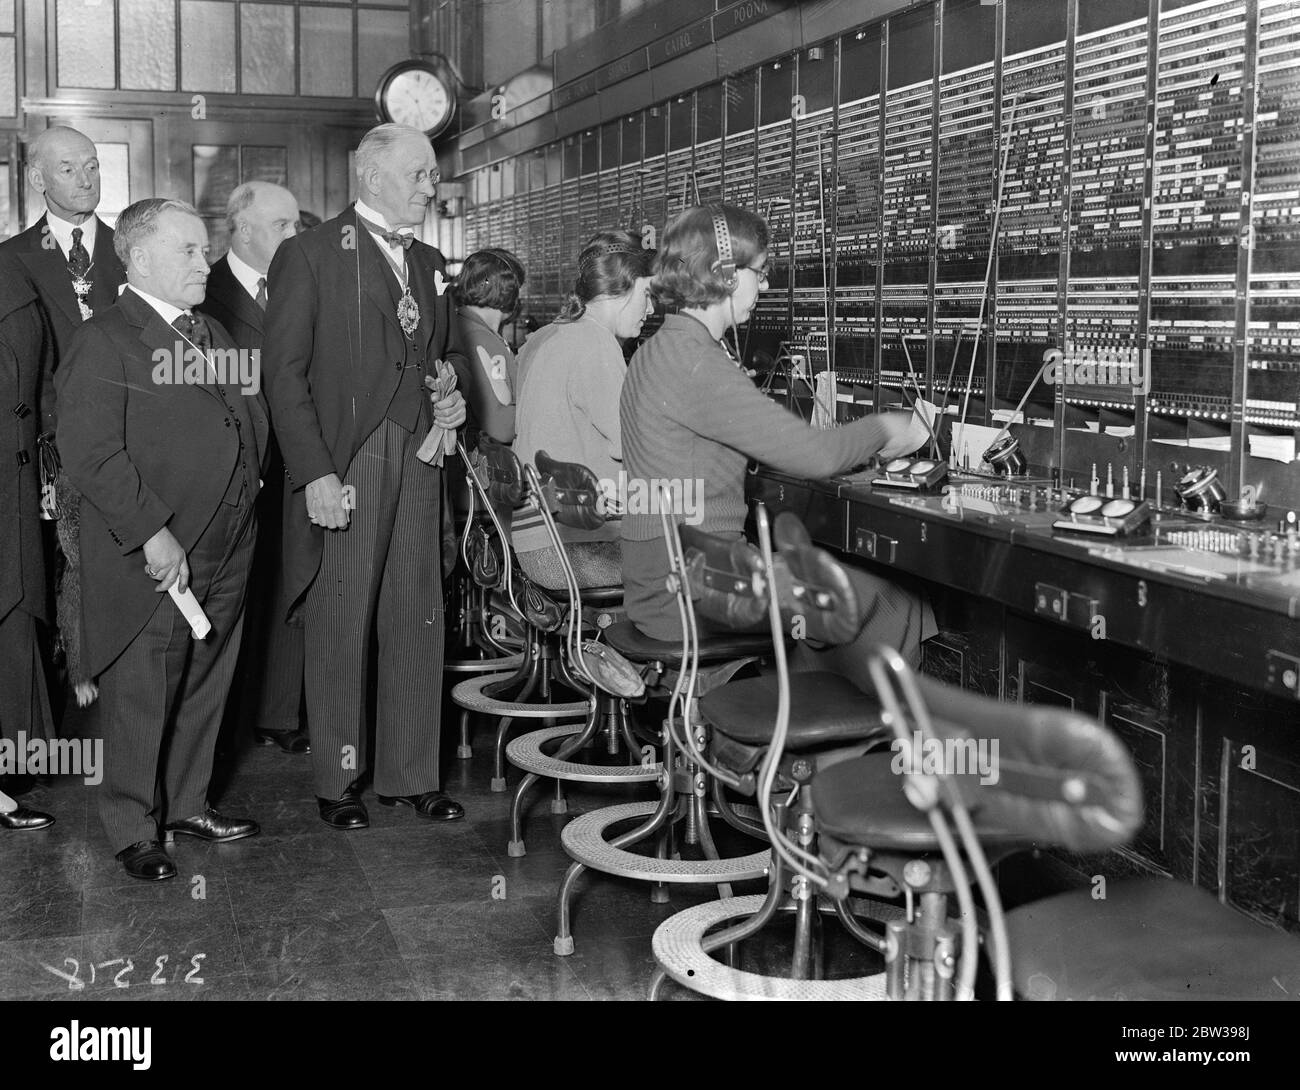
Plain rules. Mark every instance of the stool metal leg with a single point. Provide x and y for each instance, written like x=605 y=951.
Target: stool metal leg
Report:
x=515 y=849
x=464 y=751
x=564 y=937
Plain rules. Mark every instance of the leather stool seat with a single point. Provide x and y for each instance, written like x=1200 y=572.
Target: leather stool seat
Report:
x=1148 y=938
x=825 y=708
x=862 y=802
x=627 y=639
x=601 y=596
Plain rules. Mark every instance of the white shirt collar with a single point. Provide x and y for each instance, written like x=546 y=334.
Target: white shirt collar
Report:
x=396 y=258
x=366 y=212
x=62 y=231
x=244 y=273
x=167 y=311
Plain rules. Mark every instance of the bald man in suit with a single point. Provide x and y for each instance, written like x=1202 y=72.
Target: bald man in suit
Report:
x=359 y=315
x=268 y=686
x=67 y=258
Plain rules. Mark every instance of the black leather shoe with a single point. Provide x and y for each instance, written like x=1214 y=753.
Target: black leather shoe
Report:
x=147 y=861
x=432 y=804
x=291 y=741
x=349 y=812
x=23 y=818
x=210 y=825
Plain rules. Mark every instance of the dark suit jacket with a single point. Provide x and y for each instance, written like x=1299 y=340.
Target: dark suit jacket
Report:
x=143 y=455
x=47 y=271
x=231 y=305
x=331 y=359
x=25 y=351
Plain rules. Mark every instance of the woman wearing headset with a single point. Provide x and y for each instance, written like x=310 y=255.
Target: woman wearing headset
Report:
x=690 y=413
x=570 y=379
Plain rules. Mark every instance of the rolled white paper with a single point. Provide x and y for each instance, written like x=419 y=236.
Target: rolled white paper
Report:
x=192 y=611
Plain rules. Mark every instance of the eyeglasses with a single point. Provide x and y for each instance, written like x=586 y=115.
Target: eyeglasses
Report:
x=763 y=274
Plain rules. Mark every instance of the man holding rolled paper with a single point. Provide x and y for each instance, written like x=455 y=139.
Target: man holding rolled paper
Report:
x=166 y=448
x=355 y=341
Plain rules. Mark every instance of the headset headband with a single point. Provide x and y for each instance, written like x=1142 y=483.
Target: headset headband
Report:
x=725 y=266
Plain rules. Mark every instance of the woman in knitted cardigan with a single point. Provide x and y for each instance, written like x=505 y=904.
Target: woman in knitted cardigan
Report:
x=690 y=413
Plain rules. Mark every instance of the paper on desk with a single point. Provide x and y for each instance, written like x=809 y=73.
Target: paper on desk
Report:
x=439 y=441
x=1003 y=416
x=1122 y=431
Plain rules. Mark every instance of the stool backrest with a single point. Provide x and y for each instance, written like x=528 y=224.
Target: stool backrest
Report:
x=489 y=472
x=1062 y=777
x=574 y=491
x=505 y=475
x=1047 y=774
x=727 y=585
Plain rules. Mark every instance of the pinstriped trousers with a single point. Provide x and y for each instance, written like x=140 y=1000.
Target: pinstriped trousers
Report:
x=161 y=701
x=380 y=585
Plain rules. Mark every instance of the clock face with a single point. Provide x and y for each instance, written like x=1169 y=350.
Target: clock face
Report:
x=418 y=98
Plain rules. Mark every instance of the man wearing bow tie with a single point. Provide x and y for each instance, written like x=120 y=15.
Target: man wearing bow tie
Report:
x=68 y=260
x=358 y=317
x=168 y=462
x=268 y=689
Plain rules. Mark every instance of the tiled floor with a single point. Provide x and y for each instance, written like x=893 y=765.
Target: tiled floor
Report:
x=405 y=909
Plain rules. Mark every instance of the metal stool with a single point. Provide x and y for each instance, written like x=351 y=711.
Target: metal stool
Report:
x=737 y=727
x=682 y=781
x=571 y=495
x=504 y=694
x=1061 y=779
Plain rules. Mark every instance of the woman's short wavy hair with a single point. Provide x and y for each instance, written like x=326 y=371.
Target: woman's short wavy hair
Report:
x=490 y=278
x=686 y=272
x=609 y=264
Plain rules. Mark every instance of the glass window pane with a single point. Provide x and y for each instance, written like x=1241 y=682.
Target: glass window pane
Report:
x=325 y=49
x=216 y=173
x=383 y=39
x=86 y=54
x=148 y=35
x=6 y=16
x=266 y=49
x=264 y=165
x=8 y=85
x=5 y=209
x=114 y=179
x=207 y=45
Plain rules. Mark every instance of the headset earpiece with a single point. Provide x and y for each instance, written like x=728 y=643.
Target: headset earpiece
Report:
x=725 y=266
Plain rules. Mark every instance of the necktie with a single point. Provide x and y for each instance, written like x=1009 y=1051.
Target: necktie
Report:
x=391 y=237
x=78 y=258
x=194 y=329
x=261 y=292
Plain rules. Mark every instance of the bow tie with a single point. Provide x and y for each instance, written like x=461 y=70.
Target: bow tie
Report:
x=391 y=237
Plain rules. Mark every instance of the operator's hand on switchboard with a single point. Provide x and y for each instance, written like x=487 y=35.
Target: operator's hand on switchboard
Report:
x=901 y=432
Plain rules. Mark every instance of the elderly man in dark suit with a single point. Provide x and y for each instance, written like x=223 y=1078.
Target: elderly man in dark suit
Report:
x=25 y=347
x=268 y=690
x=359 y=315
x=67 y=257
x=164 y=439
